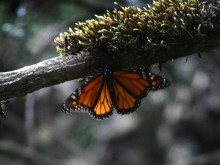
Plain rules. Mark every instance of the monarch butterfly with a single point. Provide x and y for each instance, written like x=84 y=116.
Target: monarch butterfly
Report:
x=121 y=90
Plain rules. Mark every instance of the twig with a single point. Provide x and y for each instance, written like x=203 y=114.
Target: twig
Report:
x=27 y=152
x=208 y=158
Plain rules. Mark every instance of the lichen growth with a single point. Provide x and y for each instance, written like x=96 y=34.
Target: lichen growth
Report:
x=153 y=27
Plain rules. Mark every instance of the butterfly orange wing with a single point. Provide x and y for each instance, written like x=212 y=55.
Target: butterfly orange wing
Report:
x=129 y=88
x=93 y=97
x=120 y=90
x=156 y=81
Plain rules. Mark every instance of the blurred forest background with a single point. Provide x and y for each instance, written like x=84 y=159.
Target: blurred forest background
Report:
x=179 y=125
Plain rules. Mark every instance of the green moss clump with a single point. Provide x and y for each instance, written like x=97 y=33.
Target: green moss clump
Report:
x=145 y=30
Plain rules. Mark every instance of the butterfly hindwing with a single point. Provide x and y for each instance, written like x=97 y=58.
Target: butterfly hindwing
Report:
x=103 y=107
x=129 y=88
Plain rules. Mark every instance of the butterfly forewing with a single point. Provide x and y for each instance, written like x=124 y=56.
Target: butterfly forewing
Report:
x=123 y=99
x=84 y=97
x=90 y=92
x=156 y=81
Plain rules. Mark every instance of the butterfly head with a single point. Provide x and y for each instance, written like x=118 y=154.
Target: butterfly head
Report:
x=107 y=71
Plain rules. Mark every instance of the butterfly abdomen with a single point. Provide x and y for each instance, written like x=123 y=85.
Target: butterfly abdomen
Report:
x=108 y=79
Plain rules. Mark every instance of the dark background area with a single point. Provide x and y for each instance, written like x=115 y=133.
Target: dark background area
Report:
x=179 y=125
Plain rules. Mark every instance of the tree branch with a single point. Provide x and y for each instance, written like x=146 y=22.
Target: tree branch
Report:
x=27 y=152
x=47 y=73
x=57 y=70
x=202 y=159
x=203 y=34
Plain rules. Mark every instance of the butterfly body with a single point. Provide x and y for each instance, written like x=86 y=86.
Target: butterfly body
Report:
x=120 y=91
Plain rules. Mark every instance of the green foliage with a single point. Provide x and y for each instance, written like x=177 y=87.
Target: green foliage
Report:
x=3 y=159
x=144 y=30
x=67 y=10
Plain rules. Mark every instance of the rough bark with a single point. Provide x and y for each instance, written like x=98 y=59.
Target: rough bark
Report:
x=58 y=70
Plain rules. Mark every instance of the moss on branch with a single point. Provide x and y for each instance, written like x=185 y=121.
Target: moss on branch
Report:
x=164 y=26
x=130 y=36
